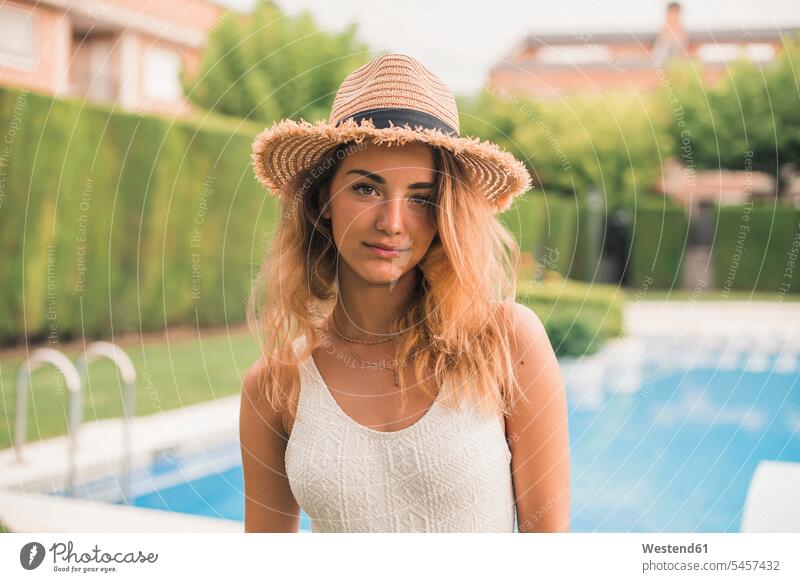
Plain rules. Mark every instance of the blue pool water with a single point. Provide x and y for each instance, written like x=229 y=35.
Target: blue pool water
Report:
x=215 y=495
x=664 y=437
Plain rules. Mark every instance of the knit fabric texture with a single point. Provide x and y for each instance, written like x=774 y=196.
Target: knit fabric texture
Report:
x=448 y=472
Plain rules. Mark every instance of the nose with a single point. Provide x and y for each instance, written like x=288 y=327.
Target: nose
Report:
x=390 y=216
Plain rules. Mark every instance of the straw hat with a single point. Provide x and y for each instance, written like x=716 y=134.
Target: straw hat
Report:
x=393 y=99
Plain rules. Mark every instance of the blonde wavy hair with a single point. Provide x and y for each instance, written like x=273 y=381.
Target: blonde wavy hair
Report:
x=457 y=321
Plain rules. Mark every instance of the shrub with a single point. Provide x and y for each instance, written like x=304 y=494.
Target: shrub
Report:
x=579 y=318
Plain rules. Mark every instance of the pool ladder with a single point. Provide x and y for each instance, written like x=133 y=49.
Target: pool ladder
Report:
x=75 y=377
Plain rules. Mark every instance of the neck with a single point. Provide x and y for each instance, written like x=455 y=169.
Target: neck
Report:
x=363 y=311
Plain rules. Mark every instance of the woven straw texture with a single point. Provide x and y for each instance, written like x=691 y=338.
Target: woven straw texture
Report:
x=395 y=80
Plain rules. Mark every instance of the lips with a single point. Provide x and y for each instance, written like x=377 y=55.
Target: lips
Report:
x=386 y=247
x=385 y=253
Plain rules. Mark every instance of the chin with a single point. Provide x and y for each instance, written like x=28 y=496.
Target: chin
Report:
x=383 y=274
x=385 y=277
x=379 y=271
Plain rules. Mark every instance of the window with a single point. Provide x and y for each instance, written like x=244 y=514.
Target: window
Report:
x=760 y=51
x=574 y=54
x=162 y=75
x=718 y=52
x=17 y=38
x=724 y=52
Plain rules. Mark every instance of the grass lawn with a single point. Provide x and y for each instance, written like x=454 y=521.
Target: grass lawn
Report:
x=171 y=373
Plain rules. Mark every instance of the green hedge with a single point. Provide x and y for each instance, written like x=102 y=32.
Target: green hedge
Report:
x=579 y=318
x=659 y=238
x=584 y=267
x=557 y=226
x=546 y=227
x=115 y=221
x=757 y=248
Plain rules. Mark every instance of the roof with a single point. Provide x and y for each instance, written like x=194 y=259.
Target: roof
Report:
x=618 y=37
x=588 y=37
x=230 y=5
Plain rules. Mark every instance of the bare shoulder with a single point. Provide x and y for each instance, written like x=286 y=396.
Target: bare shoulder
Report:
x=526 y=330
x=269 y=504
x=256 y=411
x=535 y=364
x=254 y=383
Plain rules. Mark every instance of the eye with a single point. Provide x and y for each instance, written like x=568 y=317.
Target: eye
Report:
x=421 y=200
x=360 y=188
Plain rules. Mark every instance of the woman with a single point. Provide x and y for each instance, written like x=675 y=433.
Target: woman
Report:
x=401 y=387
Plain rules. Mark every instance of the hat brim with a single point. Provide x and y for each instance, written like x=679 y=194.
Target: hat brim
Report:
x=288 y=147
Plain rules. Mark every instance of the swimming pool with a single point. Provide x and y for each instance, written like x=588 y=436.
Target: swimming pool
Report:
x=665 y=436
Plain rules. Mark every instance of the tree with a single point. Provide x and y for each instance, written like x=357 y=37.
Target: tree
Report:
x=268 y=66
x=576 y=144
x=753 y=109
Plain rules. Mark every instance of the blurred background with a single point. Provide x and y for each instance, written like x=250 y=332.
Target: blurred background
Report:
x=659 y=243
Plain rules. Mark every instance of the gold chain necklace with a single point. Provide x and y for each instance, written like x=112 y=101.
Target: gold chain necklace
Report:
x=338 y=332
x=354 y=341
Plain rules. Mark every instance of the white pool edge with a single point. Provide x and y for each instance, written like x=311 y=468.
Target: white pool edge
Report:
x=27 y=506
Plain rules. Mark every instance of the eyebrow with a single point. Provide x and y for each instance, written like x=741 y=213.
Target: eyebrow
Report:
x=379 y=180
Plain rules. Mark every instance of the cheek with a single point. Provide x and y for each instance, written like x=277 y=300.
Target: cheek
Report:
x=426 y=224
x=347 y=221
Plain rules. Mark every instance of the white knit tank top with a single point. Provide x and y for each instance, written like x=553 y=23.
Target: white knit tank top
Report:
x=448 y=472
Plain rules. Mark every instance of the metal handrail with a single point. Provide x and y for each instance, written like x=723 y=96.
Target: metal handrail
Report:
x=127 y=372
x=63 y=364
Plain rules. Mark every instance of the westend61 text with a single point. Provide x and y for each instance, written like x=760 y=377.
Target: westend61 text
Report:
x=670 y=549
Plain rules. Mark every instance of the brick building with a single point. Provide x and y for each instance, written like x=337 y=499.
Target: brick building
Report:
x=125 y=52
x=549 y=66
x=552 y=66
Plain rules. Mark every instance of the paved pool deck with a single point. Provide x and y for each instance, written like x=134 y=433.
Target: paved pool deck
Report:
x=762 y=323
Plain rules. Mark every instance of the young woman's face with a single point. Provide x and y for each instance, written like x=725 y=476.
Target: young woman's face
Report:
x=382 y=195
